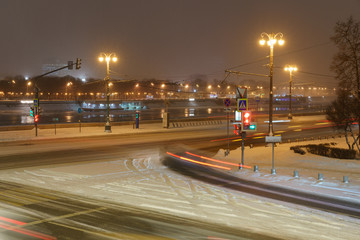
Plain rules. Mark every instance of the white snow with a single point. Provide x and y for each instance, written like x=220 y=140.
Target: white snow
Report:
x=145 y=183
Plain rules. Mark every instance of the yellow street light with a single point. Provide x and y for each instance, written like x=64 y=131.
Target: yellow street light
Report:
x=271 y=39
x=108 y=57
x=66 y=88
x=290 y=69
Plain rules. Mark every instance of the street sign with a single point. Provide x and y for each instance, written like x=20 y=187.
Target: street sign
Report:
x=242 y=104
x=241 y=92
x=237 y=116
x=36 y=102
x=227 y=102
x=272 y=139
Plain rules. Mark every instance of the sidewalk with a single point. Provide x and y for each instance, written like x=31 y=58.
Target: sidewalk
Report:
x=21 y=135
x=85 y=131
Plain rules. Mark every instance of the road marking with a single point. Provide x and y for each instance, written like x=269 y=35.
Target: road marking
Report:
x=279 y=132
x=65 y=216
x=112 y=235
x=27 y=192
x=237 y=140
x=258 y=137
x=2 y=200
x=294 y=126
x=24 y=200
x=322 y=123
x=27 y=232
x=298 y=130
x=20 y=198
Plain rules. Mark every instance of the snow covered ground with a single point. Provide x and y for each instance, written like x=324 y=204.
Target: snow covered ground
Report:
x=144 y=182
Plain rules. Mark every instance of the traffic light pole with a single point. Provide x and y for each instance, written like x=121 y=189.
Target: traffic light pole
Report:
x=36 y=107
x=227 y=121
x=243 y=136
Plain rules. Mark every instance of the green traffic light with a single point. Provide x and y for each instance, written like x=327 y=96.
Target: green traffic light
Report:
x=252 y=127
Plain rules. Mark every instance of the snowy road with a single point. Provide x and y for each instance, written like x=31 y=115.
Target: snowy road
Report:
x=145 y=183
x=115 y=169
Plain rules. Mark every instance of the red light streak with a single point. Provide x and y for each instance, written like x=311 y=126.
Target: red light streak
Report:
x=22 y=231
x=27 y=232
x=215 y=160
x=194 y=161
x=11 y=221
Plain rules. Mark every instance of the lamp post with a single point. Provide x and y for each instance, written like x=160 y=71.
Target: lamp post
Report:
x=272 y=39
x=66 y=88
x=27 y=86
x=107 y=58
x=290 y=69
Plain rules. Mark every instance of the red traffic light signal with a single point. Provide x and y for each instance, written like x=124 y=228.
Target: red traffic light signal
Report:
x=246 y=118
x=247 y=124
x=36 y=118
x=237 y=130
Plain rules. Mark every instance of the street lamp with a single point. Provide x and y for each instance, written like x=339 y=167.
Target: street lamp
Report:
x=290 y=69
x=66 y=88
x=272 y=39
x=27 y=86
x=107 y=58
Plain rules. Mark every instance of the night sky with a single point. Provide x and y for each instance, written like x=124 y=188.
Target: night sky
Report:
x=170 y=39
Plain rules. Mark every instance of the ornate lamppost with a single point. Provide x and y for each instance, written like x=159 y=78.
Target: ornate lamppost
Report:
x=290 y=69
x=107 y=58
x=271 y=40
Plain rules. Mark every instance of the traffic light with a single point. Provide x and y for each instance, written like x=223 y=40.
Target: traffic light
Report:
x=247 y=125
x=237 y=130
x=137 y=115
x=246 y=118
x=36 y=118
x=78 y=63
x=31 y=111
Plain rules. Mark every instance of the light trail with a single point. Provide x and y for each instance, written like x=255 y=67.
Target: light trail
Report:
x=18 y=229
x=201 y=163
x=5 y=219
x=215 y=160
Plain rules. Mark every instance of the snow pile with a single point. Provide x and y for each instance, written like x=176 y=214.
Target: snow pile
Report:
x=308 y=167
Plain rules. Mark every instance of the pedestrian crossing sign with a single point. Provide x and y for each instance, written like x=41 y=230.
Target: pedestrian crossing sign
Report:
x=242 y=104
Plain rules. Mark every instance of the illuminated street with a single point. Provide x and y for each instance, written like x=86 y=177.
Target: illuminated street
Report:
x=112 y=170
x=180 y=119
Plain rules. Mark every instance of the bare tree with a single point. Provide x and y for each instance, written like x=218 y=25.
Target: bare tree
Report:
x=346 y=65
x=341 y=112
